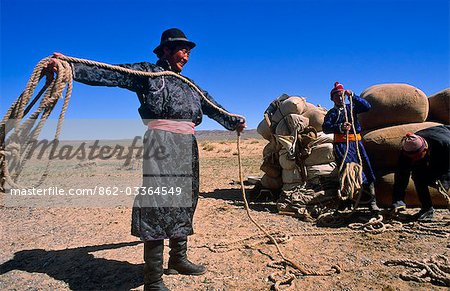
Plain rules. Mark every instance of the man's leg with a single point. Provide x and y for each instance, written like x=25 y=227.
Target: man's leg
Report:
x=427 y=211
x=153 y=267
x=178 y=261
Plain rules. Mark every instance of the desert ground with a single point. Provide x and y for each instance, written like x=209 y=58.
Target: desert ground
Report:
x=90 y=248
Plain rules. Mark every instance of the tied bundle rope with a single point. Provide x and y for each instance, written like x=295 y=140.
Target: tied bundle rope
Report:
x=285 y=260
x=351 y=175
x=18 y=144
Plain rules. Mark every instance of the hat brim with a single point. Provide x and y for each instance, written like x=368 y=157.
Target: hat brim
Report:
x=159 y=48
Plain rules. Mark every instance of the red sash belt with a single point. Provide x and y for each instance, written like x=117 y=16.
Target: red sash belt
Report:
x=338 y=137
x=175 y=126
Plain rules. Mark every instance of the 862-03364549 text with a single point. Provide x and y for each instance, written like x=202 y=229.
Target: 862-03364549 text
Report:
x=98 y=190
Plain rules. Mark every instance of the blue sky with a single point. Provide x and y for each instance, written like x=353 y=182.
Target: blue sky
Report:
x=247 y=54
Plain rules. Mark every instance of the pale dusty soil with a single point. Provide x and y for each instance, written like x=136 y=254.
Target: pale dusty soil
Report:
x=91 y=248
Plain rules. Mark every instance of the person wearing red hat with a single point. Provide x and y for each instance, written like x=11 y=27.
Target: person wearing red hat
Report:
x=335 y=122
x=170 y=109
x=425 y=156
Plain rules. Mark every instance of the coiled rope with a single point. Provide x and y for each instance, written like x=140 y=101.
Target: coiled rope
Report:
x=285 y=262
x=351 y=175
x=435 y=270
x=18 y=143
x=16 y=148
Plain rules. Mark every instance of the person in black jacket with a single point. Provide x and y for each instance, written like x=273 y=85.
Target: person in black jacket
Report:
x=171 y=109
x=425 y=156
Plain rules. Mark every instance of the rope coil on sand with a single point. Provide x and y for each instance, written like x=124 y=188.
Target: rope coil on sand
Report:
x=434 y=270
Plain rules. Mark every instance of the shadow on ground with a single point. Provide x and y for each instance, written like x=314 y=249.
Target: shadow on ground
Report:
x=235 y=196
x=79 y=268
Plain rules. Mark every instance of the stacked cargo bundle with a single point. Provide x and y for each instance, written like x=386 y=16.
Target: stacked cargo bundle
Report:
x=298 y=153
x=396 y=110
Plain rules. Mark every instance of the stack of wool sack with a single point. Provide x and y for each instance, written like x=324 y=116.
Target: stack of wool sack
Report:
x=396 y=110
x=289 y=116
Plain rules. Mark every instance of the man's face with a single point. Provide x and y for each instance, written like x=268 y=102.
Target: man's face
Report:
x=338 y=98
x=177 y=57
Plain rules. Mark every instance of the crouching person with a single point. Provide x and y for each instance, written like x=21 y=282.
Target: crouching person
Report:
x=425 y=157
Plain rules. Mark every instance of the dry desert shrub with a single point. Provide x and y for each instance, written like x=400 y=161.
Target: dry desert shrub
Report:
x=208 y=147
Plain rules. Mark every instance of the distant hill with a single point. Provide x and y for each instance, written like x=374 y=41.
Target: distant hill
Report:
x=225 y=134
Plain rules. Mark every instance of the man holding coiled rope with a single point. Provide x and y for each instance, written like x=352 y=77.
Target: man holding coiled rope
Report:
x=342 y=121
x=171 y=109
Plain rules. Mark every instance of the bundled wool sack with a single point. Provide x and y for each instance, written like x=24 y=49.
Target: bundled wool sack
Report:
x=316 y=115
x=393 y=104
x=320 y=154
x=383 y=145
x=291 y=123
x=271 y=169
x=271 y=148
x=264 y=130
x=292 y=105
x=315 y=171
x=384 y=187
x=271 y=183
x=291 y=176
x=440 y=107
x=285 y=162
x=322 y=138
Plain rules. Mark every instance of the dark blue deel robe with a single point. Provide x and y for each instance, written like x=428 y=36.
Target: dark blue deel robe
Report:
x=165 y=97
x=333 y=121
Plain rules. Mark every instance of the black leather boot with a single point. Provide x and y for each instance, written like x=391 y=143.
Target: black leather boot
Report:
x=153 y=267
x=373 y=207
x=178 y=261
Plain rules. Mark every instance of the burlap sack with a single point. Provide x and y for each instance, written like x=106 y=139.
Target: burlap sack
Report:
x=440 y=107
x=384 y=187
x=320 y=154
x=292 y=105
x=270 y=169
x=264 y=130
x=291 y=176
x=316 y=115
x=322 y=138
x=271 y=148
x=290 y=123
x=271 y=183
x=316 y=118
x=383 y=145
x=320 y=170
x=285 y=163
x=393 y=104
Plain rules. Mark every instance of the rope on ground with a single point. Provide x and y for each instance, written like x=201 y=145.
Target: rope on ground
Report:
x=376 y=225
x=285 y=260
x=435 y=270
